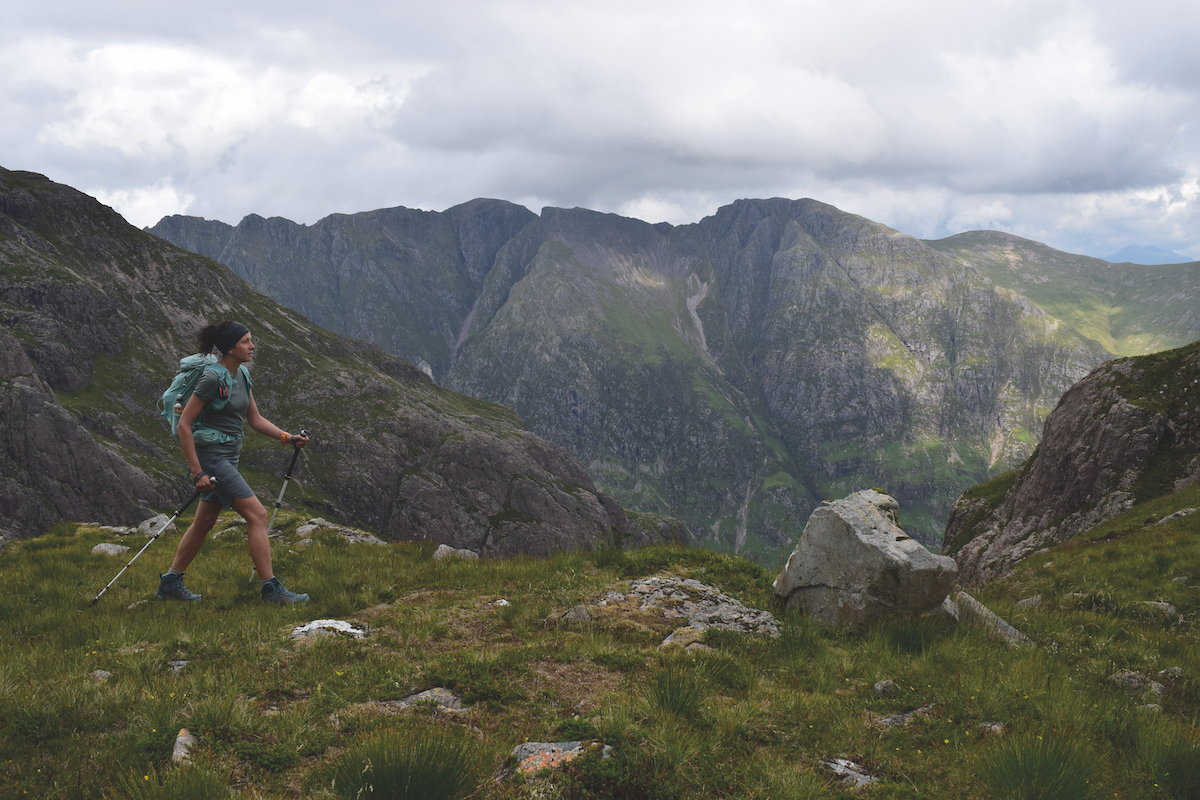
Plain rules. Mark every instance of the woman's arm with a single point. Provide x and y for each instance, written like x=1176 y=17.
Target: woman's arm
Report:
x=187 y=442
x=269 y=429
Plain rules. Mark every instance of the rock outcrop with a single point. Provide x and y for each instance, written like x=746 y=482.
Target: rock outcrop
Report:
x=855 y=567
x=96 y=315
x=1128 y=432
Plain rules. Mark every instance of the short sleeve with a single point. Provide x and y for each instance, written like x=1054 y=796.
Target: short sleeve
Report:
x=206 y=387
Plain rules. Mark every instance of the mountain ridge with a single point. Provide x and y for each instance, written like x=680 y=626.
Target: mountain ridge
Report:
x=732 y=371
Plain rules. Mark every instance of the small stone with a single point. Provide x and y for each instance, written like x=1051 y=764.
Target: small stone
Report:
x=176 y=666
x=306 y=542
x=445 y=551
x=438 y=696
x=328 y=627
x=1030 y=602
x=1166 y=608
x=996 y=627
x=137 y=603
x=155 y=524
x=847 y=772
x=994 y=728
x=1171 y=673
x=101 y=675
x=184 y=742
x=885 y=688
x=578 y=614
x=109 y=549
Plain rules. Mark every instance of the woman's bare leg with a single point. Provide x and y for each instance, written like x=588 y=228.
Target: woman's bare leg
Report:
x=193 y=538
x=256 y=534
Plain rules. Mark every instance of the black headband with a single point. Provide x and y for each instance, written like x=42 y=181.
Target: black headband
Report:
x=230 y=336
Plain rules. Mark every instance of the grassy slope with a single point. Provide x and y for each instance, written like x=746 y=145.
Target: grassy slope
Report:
x=1131 y=309
x=271 y=715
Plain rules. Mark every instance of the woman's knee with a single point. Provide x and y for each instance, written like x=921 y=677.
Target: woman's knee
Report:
x=251 y=510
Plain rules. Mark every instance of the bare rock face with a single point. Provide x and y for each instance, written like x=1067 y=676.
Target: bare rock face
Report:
x=855 y=566
x=1127 y=433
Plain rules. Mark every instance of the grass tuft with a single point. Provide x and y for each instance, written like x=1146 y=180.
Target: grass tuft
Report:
x=1040 y=767
x=407 y=765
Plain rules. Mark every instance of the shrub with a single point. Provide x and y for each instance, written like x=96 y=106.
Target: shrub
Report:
x=1042 y=767
x=425 y=765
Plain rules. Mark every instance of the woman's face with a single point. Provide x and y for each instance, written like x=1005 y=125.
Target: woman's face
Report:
x=244 y=349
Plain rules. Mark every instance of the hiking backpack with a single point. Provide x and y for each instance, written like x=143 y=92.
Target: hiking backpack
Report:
x=180 y=391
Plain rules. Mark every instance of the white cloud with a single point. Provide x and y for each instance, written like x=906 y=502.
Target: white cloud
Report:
x=1071 y=122
x=145 y=205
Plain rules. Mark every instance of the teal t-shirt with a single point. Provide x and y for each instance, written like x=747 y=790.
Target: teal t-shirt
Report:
x=230 y=419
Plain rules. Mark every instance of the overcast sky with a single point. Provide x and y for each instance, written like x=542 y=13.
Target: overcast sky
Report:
x=1073 y=123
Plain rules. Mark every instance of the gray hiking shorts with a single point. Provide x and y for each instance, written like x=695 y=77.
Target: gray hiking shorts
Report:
x=223 y=466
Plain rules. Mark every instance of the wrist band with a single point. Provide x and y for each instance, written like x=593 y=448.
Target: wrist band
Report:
x=196 y=479
x=283 y=437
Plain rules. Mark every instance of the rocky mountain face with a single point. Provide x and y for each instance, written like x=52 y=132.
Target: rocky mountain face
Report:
x=96 y=315
x=1127 y=433
x=732 y=372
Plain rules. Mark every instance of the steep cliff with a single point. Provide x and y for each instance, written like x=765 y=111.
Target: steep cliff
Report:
x=96 y=315
x=732 y=372
x=1127 y=433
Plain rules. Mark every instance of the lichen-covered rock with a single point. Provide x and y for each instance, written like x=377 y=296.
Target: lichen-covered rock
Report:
x=855 y=567
x=533 y=757
x=702 y=605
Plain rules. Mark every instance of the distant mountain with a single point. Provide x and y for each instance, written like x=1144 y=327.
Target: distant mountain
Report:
x=1129 y=309
x=94 y=316
x=1136 y=254
x=1126 y=434
x=733 y=372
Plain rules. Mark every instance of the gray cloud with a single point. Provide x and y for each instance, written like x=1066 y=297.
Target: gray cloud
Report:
x=1073 y=123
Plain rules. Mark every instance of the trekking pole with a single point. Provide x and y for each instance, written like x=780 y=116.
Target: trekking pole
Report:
x=279 y=500
x=166 y=524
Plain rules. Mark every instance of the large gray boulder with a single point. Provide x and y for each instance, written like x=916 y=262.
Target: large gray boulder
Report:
x=855 y=566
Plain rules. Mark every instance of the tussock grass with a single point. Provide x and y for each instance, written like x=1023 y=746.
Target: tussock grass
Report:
x=753 y=718
x=428 y=764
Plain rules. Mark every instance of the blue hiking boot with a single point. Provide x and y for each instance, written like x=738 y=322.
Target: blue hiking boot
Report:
x=170 y=587
x=275 y=592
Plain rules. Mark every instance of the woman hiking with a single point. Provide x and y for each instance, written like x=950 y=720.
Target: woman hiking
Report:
x=210 y=431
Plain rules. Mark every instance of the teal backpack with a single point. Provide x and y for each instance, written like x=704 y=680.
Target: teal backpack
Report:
x=180 y=391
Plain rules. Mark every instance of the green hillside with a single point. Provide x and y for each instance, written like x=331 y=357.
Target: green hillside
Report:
x=1131 y=309
x=752 y=718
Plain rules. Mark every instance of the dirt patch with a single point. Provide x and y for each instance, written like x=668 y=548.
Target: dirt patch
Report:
x=579 y=686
